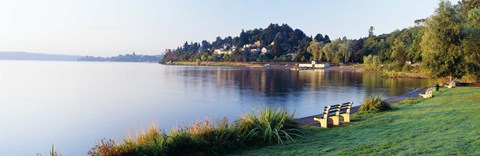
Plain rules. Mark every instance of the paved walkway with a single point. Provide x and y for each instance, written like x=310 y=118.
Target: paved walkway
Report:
x=309 y=119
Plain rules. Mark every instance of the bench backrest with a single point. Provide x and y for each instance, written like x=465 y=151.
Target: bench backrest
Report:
x=345 y=107
x=335 y=110
x=429 y=91
x=452 y=84
x=331 y=110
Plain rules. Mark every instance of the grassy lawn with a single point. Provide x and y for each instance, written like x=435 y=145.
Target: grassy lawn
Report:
x=447 y=124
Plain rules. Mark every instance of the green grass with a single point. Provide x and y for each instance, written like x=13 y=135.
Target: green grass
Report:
x=447 y=124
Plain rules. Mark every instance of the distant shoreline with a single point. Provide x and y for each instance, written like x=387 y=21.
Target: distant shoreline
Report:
x=289 y=65
x=271 y=65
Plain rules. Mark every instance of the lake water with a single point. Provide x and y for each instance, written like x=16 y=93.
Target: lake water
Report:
x=73 y=104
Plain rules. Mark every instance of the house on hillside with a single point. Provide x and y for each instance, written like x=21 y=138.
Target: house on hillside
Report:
x=265 y=50
x=420 y=22
x=247 y=46
x=291 y=54
x=255 y=50
x=222 y=51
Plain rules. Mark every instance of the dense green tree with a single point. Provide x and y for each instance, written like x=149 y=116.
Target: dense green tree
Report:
x=204 y=46
x=414 y=52
x=316 y=50
x=328 y=51
x=335 y=54
x=280 y=45
x=345 y=49
x=399 y=54
x=471 y=39
x=327 y=39
x=319 y=38
x=467 y=5
x=243 y=39
x=358 y=52
x=441 y=51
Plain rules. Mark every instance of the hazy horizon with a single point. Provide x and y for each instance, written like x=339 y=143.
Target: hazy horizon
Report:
x=109 y=28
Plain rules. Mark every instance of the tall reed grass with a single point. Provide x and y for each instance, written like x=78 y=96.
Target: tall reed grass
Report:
x=269 y=126
x=374 y=104
x=208 y=138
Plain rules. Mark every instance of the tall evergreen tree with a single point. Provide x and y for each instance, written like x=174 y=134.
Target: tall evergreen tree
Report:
x=319 y=37
x=441 y=51
x=470 y=10
x=327 y=39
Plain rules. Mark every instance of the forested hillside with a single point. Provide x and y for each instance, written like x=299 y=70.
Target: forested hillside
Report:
x=283 y=43
x=445 y=44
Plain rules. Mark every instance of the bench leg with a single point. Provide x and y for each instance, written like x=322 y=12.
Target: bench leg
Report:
x=336 y=120
x=323 y=122
x=346 y=118
x=425 y=96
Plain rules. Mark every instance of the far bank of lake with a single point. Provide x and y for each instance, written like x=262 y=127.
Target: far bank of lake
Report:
x=292 y=65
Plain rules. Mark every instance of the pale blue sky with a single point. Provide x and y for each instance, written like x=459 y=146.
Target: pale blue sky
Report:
x=111 y=27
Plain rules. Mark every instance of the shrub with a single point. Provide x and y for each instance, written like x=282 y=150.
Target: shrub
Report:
x=104 y=148
x=372 y=62
x=407 y=68
x=271 y=125
x=198 y=61
x=393 y=74
x=374 y=104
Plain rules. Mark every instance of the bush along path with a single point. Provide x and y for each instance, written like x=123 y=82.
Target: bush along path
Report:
x=444 y=125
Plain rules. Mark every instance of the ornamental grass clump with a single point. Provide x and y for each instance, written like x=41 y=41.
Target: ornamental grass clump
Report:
x=149 y=142
x=198 y=138
x=204 y=138
x=374 y=104
x=269 y=126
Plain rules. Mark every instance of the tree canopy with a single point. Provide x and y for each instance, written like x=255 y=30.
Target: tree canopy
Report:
x=450 y=44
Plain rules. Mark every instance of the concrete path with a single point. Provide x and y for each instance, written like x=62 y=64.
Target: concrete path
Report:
x=310 y=122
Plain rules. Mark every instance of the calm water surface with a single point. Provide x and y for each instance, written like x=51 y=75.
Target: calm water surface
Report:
x=73 y=104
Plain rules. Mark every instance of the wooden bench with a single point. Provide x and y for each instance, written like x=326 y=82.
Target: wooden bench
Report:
x=428 y=93
x=451 y=84
x=345 y=111
x=334 y=112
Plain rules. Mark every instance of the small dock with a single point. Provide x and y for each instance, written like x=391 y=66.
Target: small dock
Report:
x=311 y=66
